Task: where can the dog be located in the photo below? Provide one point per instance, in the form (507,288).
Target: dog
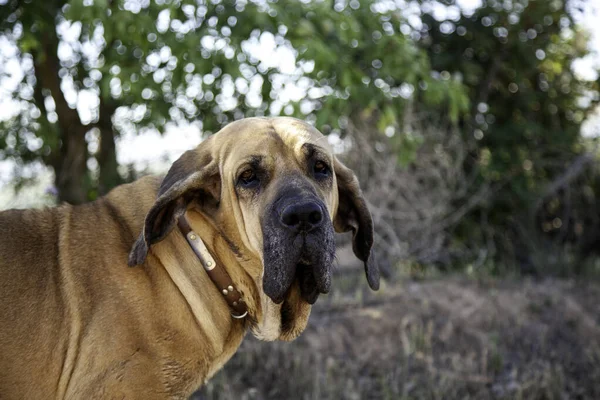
(147,292)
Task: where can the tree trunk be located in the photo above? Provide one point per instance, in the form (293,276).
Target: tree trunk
(69,160)
(71,174)
(107,160)
(107,152)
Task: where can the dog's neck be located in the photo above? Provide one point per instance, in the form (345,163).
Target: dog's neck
(204,301)
(200,292)
(217,274)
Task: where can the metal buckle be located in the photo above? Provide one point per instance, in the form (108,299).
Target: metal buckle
(239,316)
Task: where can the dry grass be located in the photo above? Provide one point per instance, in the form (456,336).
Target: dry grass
(447,339)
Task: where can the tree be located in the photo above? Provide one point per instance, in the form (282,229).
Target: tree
(138,64)
(362,65)
(527,106)
(150,63)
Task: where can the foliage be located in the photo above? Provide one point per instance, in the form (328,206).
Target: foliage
(148,64)
(527,105)
(365,68)
(138,64)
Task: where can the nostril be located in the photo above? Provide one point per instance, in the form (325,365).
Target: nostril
(315,217)
(290,219)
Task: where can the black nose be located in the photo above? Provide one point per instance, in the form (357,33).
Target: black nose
(302,217)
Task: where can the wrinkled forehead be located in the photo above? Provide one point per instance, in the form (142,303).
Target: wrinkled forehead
(273,137)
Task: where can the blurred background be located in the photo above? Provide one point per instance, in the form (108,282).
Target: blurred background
(472,125)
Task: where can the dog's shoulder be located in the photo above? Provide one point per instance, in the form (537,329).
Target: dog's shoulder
(132,200)
(30,235)
(28,250)
(117,217)
(21,226)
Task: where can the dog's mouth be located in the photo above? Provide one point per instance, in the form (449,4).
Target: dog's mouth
(311,281)
(307,262)
(302,293)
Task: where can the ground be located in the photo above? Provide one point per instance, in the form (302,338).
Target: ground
(453,338)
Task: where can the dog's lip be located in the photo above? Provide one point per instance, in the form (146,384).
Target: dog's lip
(310,286)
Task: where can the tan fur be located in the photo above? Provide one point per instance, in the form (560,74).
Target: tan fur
(76,322)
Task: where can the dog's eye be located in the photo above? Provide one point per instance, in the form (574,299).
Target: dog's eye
(321,169)
(248,178)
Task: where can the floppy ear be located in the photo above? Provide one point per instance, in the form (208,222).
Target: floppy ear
(193,177)
(353,215)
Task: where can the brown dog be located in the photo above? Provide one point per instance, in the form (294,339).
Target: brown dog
(264,195)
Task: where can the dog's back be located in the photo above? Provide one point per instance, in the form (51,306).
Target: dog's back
(51,261)
(29,252)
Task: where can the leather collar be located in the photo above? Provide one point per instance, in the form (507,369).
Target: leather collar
(217,274)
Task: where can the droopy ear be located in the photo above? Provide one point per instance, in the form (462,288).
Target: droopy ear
(193,177)
(353,215)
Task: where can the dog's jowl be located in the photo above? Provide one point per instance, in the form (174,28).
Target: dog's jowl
(148,291)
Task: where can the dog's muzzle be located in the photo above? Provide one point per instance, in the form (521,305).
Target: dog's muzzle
(298,245)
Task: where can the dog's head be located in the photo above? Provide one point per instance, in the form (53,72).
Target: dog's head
(274,188)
